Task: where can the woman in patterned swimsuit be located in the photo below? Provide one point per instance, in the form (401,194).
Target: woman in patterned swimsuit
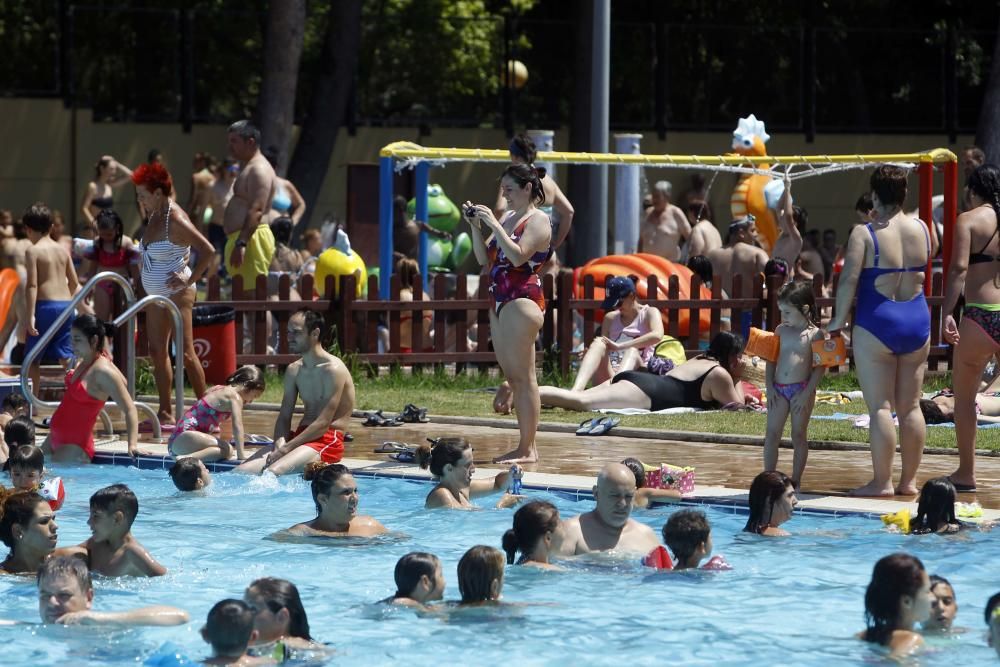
(977,339)
(193,436)
(515,249)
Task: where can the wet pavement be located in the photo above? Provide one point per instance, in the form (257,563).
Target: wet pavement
(729,465)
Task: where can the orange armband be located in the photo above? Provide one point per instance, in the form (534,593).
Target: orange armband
(763,344)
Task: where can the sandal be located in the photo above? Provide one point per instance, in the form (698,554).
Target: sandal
(408,456)
(392,447)
(411,414)
(257,440)
(376,419)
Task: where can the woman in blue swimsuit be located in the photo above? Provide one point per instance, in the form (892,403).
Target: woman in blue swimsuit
(884,264)
(974,270)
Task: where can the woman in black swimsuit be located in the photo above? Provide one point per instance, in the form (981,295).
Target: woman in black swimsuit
(108,174)
(707,381)
(974,271)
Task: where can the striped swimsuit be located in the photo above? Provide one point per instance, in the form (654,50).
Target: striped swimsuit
(163,258)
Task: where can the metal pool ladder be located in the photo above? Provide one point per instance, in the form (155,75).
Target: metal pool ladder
(128,317)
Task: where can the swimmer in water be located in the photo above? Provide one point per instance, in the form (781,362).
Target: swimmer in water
(336,496)
(450,461)
(190,474)
(898,597)
(66,594)
(689,536)
(229,631)
(535,531)
(772,501)
(419,580)
(112,550)
(480,576)
(936,508)
(944,607)
(609,526)
(280,619)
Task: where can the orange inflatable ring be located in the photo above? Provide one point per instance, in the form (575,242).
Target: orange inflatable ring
(643,265)
(8,286)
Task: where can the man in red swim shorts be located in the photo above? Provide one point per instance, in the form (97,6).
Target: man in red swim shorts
(327,391)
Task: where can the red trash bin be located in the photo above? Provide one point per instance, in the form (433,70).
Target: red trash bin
(214,329)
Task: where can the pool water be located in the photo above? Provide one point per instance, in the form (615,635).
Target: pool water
(796,600)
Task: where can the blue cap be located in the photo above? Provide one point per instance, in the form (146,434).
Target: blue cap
(616,290)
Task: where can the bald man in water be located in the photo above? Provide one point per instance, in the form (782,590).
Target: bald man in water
(609,526)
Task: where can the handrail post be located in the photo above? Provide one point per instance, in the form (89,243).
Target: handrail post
(175,313)
(47,337)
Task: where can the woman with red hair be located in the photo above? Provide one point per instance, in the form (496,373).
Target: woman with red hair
(166,250)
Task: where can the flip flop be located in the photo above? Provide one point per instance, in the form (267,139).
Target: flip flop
(392,447)
(411,414)
(587,424)
(962,488)
(408,456)
(604,425)
(257,440)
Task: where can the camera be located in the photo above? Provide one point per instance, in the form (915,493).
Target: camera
(470,211)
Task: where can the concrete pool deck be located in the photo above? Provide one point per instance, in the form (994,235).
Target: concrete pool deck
(569,463)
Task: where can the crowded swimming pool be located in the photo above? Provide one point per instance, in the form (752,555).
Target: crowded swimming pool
(801,595)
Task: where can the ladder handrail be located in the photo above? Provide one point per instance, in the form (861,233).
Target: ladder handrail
(175,312)
(126,286)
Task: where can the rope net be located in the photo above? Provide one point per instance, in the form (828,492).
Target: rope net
(407,155)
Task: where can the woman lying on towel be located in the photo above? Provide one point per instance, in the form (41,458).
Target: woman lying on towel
(708,381)
(940,409)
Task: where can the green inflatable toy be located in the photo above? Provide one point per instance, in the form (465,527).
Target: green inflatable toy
(443,215)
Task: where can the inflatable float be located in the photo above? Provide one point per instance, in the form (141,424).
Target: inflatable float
(643,265)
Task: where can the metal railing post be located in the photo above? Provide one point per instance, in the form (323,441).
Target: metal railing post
(47,337)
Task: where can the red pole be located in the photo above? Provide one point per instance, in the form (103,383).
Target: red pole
(926,171)
(950,213)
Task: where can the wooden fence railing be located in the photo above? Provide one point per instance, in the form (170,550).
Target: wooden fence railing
(456,314)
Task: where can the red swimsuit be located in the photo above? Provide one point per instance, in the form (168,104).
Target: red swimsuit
(74,419)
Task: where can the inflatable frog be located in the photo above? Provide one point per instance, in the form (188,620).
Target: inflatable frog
(443,215)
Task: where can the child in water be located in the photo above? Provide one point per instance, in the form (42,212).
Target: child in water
(480,576)
(792,381)
(192,437)
(944,607)
(936,508)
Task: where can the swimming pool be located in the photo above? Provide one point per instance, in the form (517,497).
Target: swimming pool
(788,601)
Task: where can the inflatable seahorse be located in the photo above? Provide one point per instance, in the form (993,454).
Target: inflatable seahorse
(756,194)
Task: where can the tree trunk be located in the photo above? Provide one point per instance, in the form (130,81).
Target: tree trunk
(328,105)
(286,21)
(988,129)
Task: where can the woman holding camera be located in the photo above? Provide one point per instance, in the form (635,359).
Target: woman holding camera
(514,249)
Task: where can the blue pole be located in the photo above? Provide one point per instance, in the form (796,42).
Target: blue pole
(421,181)
(384,225)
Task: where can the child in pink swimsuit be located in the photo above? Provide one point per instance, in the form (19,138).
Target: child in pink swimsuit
(192,434)
(792,380)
